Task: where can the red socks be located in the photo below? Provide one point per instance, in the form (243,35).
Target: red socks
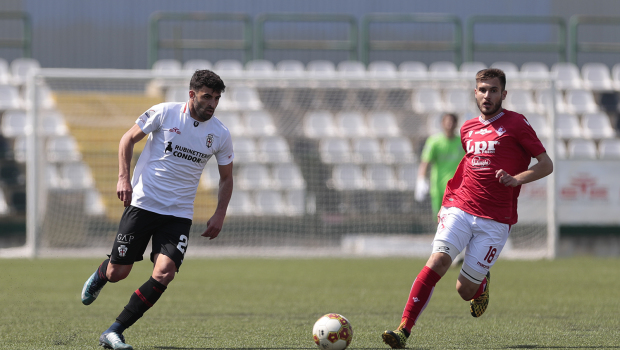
(481,289)
(419,296)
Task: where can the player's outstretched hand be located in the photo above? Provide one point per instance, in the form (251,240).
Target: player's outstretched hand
(506,179)
(124,192)
(214,226)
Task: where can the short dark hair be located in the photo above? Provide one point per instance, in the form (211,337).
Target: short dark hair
(491,73)
(206,78)
(455,119)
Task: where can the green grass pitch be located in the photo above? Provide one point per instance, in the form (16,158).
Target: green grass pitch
(250,303)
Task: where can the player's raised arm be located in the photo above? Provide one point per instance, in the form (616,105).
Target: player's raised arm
(214,225)
(125,153)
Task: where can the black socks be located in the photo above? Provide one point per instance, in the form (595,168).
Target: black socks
(141,300)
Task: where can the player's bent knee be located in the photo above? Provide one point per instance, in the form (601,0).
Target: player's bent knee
(117,273)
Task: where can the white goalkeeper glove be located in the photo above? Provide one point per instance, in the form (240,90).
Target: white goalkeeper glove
(421,189)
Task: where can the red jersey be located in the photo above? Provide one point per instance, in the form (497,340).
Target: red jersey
(506,141)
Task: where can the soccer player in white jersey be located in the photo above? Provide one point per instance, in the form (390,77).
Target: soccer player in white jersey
(159,200)
(480,202)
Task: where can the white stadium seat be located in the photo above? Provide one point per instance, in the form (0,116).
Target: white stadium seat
(407,175)
(62,149)
(197,64)
(350,69)
(367,150)
(348,177)
(539,124)
(382,69)
(469,69)
(19,149)
(581,149)
(398,150)
(21,68)
(5,74)
(14,124)
(382,124)
(597,126)
(534,70)
(427,101)
(290,68)
(287,176)
(567,126)
(254,177)
(413,69)
(445,69)
(76,176)
(335,150)
(510,69)
(269,202)
(615,75)
(177,94)
(295,202)
(459,101)
(521,101)
(274,149)
(596,77)
(381,178)
(246,99)
(93,203)
(167,67)
(240,204)
(259,123)
(609,149)
(228,67)
(321,68)
(53,124)
(53,179)
(245,150)
(543,101)
(351,124)
(4,207)
(580,101)
(210,178)
(9,98)
(233,121)
(261,67)
(319,124)
(567,75)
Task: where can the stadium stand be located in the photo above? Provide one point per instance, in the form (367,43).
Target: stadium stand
(195,64)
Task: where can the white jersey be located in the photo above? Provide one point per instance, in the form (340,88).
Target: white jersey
(166,176)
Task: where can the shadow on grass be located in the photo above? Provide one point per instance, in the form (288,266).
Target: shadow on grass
(558,347)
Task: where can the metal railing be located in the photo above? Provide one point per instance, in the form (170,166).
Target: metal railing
(262,44)
(25,42)
(368,45)
(559,46)
(178,43)
(598,47)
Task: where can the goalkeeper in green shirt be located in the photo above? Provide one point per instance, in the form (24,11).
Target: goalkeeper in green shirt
(443,151)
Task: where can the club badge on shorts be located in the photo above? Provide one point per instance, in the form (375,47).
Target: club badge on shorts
(209,140)
(122,250)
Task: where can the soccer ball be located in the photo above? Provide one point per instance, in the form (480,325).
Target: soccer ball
(332,332)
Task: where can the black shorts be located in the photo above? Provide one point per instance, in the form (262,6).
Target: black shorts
(170,236)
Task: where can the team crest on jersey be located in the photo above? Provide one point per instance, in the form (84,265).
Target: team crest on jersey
(122,250)
(483,131)
(209,140)
(175,130)
(500,131)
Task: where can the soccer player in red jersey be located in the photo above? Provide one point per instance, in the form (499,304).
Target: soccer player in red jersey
(480,203)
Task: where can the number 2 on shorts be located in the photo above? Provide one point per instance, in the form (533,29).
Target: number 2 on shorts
(490,254)
(183,244)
